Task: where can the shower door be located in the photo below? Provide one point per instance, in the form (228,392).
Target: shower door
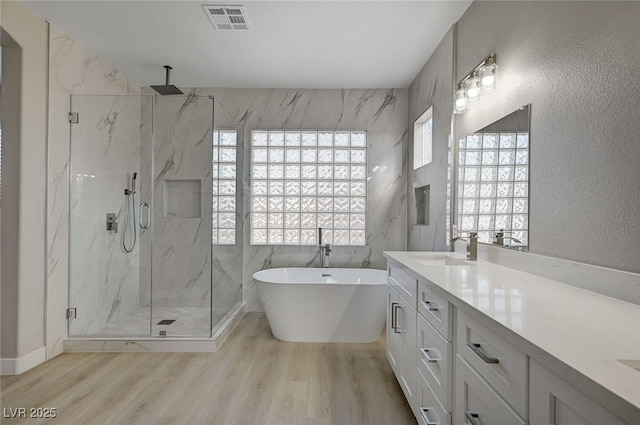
(140,249)
(109,274)
(181,217)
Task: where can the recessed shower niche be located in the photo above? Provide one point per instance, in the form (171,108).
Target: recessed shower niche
(422,205)
(181,198)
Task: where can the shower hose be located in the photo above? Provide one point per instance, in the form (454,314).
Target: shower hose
(129,218)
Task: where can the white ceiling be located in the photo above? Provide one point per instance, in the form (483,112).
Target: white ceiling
(292,44)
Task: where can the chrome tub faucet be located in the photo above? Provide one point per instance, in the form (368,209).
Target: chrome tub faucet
(325,250)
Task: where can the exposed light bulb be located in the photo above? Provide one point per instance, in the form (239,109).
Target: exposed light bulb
(472,87)
(489,77)
(488,80)
(461,102)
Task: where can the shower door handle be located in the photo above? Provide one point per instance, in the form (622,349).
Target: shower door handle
(146,225)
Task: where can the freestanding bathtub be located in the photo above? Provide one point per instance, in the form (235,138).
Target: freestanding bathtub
(323,305)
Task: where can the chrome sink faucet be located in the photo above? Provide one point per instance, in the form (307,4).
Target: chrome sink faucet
(500,237)
(325,250)
(472,245)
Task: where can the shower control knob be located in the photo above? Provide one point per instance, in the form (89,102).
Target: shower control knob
(112,224)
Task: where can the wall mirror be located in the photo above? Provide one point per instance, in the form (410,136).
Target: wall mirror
(492,182)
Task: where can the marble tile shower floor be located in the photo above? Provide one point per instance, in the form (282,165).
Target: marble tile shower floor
(188,322)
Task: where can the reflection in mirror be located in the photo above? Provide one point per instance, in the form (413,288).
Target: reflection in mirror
(493,182)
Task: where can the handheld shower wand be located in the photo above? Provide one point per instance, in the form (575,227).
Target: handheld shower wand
(130,215)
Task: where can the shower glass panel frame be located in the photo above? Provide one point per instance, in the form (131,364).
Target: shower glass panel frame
(164,286)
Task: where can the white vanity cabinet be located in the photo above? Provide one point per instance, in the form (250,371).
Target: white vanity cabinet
(555,402)
(401,329)
(434,361)
(429,409)
(498,362)
(458,363)
(434,354)
(434,307)
(394,336)
(477,403)
(408,375)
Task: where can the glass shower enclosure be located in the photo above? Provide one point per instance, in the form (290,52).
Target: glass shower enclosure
(146,254)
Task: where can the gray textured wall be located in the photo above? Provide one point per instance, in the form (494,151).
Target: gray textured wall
(576,63)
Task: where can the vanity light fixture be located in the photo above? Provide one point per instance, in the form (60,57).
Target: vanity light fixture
(483,78)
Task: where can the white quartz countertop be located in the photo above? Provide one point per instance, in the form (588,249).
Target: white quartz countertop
(586,331)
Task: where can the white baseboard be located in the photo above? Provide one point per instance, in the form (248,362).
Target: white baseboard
(22,364)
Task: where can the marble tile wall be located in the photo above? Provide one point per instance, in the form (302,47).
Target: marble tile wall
(182,220)
(226,261)
(73,69)
(383,114)
(105,151)
(432,87)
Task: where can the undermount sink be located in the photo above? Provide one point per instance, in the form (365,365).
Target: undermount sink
(633,364)
(441,260)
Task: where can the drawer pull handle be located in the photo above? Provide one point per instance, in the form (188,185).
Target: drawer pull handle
(395,316)
(475,347)
(471,417)
(429,307)
(424,412)
(427,356)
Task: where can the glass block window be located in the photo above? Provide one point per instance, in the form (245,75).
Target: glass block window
(302,180)
(493,185)
(223,220)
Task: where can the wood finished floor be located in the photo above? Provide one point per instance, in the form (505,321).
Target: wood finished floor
(253,379)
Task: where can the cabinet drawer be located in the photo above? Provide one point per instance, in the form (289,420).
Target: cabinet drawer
(429,409)
(477,403)
(404,283)
(554,401)
(435,309)
(499,362)
(434,361)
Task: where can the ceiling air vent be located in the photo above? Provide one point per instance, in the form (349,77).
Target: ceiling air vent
(227,18)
